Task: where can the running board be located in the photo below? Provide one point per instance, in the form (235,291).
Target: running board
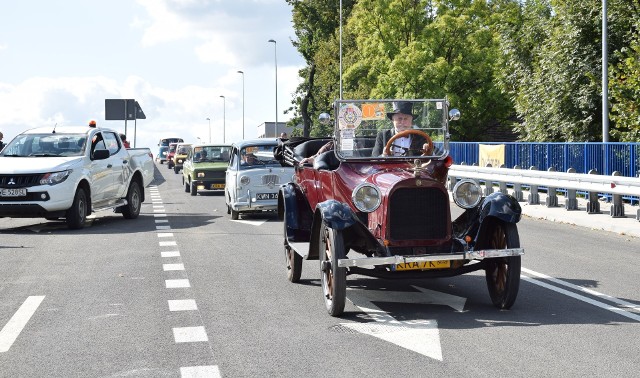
(111,205)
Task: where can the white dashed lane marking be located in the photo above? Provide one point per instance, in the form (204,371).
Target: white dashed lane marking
(200,372)
(170,254)
(168,267)
(167,243)
(178,283)
(18,321)
(190,334)
(182,305)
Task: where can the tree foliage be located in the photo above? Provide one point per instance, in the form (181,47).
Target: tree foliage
(534,65)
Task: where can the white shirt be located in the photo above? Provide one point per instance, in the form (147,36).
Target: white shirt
(401,142)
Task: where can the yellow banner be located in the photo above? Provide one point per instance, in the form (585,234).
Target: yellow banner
(491,154)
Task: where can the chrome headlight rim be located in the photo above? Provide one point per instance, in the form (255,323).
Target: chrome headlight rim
(359,204)
(457,196)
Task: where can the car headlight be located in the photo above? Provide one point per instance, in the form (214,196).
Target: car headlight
(200,174)
(366,197)
(467,194)
(245,180)
(54,178)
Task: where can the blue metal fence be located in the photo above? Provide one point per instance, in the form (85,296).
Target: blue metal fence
(606,158)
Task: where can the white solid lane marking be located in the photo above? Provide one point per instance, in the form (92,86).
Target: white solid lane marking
(178,283)
(168,244)
(200,372)
(190,334)
(12,329)
(165,234)
(182,305)
(168,267)
(583,289)
(579,297)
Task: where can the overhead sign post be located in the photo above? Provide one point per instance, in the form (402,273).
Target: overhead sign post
(124,109)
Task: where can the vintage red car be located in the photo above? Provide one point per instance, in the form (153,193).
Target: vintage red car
(377,204)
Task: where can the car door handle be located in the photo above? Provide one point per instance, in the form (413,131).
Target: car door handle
(125,161)
(109,166)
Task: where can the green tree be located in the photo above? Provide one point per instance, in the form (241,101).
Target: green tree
(625,91)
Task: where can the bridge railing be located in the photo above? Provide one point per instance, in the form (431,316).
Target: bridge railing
(571,184)
(605,158)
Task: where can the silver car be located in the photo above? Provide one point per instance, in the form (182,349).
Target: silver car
(254,177)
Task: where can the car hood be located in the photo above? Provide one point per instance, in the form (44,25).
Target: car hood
(22,165)
(211,165)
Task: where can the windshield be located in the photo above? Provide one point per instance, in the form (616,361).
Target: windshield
(211,154)
(257,156)
(391,129)
(38,145)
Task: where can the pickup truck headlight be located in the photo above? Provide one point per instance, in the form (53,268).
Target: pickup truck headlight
(366,197)
(467,194)
(54,178)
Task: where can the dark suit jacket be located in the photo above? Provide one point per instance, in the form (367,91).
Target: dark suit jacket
(383,137)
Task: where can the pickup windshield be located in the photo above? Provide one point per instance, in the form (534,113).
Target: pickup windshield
(46,145)
(391,129)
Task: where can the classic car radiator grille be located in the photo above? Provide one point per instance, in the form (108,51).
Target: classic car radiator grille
(214,174)
(418,213)
(19,181)
(270,179)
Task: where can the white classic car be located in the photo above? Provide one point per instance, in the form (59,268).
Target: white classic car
(254,177)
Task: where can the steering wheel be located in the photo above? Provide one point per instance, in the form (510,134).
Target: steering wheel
(402,134)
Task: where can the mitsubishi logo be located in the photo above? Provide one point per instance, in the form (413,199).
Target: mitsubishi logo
(11,182)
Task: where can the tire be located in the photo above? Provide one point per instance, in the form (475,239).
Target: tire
(334,278)
(187,187)
(76,216)
(134,201)
(176,170)
(293,260)
(235,214)
(503,274)
(194,190)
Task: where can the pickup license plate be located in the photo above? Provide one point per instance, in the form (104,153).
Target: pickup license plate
(439,264)
(13,192)
(266,196)
(217,186)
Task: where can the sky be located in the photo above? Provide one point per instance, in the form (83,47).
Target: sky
(60,60)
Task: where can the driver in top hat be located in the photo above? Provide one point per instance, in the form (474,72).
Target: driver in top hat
(402,118)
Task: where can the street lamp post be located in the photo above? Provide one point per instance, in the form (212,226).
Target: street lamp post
(275,55)
(224,118)
(241,72)
(209,119)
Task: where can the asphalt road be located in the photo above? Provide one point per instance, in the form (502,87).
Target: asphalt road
(183,290)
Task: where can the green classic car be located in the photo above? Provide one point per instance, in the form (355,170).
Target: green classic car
(204,168)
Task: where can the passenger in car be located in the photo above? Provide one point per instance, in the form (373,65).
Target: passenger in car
(326,147)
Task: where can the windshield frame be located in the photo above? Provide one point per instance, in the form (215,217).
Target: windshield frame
(358,123)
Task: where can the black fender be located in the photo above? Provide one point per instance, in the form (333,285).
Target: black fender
(295,211)
(336,215)
(496,206)
(501,206)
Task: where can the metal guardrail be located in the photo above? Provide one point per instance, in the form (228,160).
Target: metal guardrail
(593,184)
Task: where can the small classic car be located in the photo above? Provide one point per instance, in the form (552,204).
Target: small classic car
(171,154)
(377,204)
(204,167)
(254,177)
(182,150)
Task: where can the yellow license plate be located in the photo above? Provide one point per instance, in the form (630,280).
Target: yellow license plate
(217,186)
(439,264)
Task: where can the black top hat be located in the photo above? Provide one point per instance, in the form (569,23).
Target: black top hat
(401,107)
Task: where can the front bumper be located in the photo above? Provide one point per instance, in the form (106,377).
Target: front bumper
(471,255)
(249,202)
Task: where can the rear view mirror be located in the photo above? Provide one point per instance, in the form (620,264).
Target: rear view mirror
(454,115)
(324,118)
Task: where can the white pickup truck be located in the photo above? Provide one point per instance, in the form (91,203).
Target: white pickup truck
(71,172)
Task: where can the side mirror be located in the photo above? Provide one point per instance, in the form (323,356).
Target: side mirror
(101,154)
(454,115)
(324,118)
